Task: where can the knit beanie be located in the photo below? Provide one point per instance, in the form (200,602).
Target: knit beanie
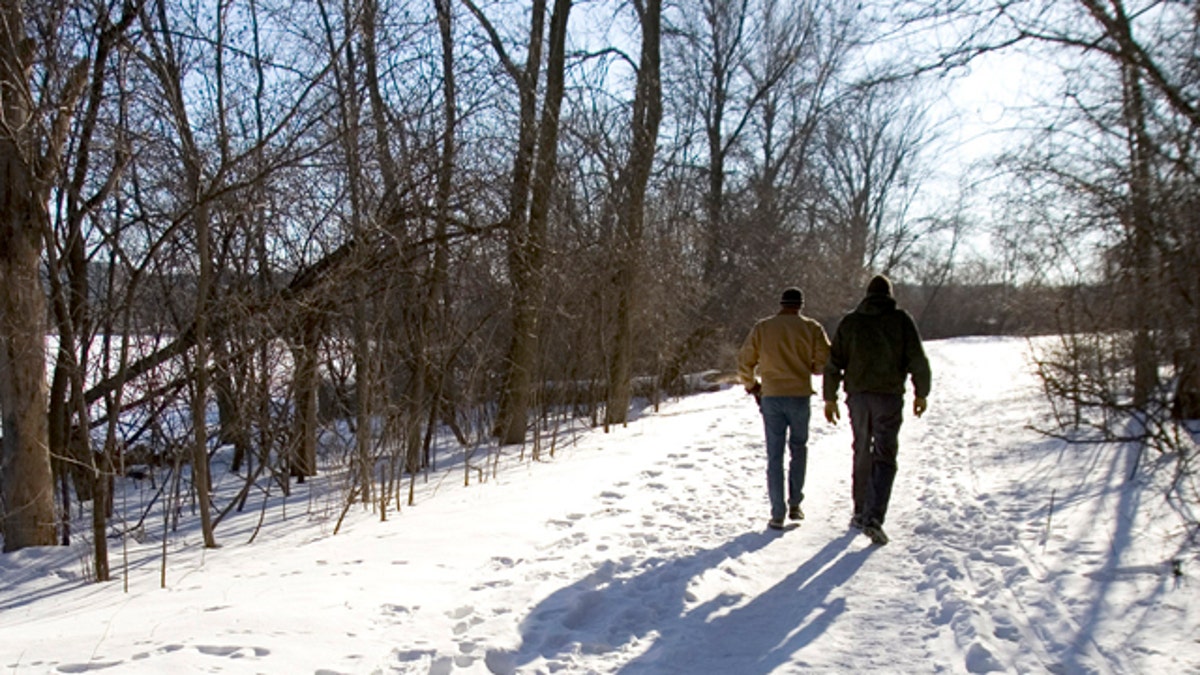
(792,297)
(880,285)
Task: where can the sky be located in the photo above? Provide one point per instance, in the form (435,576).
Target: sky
(645,550)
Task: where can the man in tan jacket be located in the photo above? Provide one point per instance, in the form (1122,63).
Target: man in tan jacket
(786,350)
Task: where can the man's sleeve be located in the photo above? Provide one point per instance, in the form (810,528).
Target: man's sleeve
(918,363)
(820,349)
(832,378)
(748,358)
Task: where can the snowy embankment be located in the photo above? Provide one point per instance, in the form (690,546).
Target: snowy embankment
(645,551)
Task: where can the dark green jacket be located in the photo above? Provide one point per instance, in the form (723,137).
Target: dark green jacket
(874,350)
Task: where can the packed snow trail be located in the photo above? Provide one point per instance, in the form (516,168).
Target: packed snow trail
(672,570)
(645,550)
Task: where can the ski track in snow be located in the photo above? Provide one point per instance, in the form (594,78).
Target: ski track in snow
(974,567)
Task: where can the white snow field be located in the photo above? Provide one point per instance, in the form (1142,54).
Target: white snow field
(645,550)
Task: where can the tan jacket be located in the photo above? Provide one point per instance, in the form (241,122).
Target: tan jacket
(787,351)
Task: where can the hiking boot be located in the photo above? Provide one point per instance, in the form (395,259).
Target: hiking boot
(856,521)
(795,513)
(875,534)
(775,523)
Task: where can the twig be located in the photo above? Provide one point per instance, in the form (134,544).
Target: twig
(1049,516)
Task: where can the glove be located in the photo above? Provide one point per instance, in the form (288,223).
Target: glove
(832,414)
(920,405)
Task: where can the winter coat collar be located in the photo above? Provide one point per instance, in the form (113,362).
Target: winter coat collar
(876,303)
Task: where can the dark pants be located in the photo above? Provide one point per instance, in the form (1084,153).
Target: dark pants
(875,420)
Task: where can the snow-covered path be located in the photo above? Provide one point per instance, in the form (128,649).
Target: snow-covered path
(645,551)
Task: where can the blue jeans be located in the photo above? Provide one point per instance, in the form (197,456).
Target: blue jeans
(782,414)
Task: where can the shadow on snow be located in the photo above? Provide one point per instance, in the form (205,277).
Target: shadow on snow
(765,633)
(621,603)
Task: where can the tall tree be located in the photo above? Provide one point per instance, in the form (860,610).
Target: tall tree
(356,19)
(631,211)
(871,148)
(1137,101)
(530,198)
(437,310)
(809,43)
(31,146)
(170,72)
(730,56)
(68,275)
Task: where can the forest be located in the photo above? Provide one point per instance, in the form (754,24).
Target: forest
(232,224)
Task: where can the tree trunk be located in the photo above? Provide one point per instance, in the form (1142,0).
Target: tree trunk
(1141,224)
(26,481)
(304,383)
(514,394)
(647,113)
(527,241)
(351,109)
(437,302)
(1186,405)
(196,199)
(716,251)
(102,499)
(200,469)
(28,484)
(230,375)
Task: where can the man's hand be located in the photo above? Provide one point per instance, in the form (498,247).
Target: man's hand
(920,405)
(755,390)
(832,414)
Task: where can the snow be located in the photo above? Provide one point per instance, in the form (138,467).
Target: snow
(644,550)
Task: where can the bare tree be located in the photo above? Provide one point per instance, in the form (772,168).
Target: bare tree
(33,130)
(170,73)
(871,145)
(644,121)
(785,222)
(1107,167)
(530,197)
(1143,60)
(751,80)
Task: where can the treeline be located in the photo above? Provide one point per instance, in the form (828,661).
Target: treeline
(946,311)
(957,310)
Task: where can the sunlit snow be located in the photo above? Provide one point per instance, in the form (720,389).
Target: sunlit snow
(645,550)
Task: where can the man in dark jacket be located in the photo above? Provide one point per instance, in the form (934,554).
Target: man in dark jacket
(875,349)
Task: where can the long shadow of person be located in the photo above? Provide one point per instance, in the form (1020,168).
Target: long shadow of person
(623,602)
(766,632)
(619,603)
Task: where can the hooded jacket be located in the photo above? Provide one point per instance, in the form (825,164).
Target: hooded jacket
(787,349)
(875,348)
